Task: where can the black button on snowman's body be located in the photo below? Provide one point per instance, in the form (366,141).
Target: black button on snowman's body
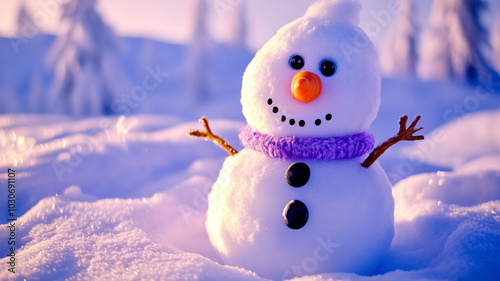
(297,174)
(295,213)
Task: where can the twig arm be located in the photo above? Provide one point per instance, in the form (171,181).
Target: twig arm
(208,135)
(404,134)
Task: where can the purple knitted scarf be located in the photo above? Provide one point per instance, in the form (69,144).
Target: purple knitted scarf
(290,147)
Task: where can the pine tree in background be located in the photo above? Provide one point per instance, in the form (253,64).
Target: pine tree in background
(88,75)
(452,44)
(237,24)
(398,55)
(26,28)
(495,42)
(198,55)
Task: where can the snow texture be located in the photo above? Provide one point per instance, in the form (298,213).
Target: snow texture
(337,10)
(447,223)
(107,240)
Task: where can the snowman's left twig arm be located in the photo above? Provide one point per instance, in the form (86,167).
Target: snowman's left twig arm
(404,134)
(207,134)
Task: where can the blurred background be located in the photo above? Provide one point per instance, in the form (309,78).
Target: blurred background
(91,57)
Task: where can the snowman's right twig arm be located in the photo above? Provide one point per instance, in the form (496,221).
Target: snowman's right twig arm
(404,134)
(207,134)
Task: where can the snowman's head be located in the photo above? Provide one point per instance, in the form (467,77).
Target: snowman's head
(318,76)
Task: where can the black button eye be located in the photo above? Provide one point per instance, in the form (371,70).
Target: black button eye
(296,62)
(328,67)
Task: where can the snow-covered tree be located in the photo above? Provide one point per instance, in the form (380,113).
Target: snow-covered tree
(26,28)
(88,75)
(237,24)
(198,55)
(398,55)
(453,42)
(495,42)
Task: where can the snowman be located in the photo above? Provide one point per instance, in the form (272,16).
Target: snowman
(305,195)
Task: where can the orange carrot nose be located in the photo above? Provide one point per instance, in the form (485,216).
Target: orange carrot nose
(306,86)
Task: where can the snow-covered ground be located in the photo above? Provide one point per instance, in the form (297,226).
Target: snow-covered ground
(125,197)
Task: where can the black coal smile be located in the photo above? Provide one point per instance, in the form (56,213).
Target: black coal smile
(292,121)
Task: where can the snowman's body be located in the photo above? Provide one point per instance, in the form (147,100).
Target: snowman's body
(350,224)
(316,78)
